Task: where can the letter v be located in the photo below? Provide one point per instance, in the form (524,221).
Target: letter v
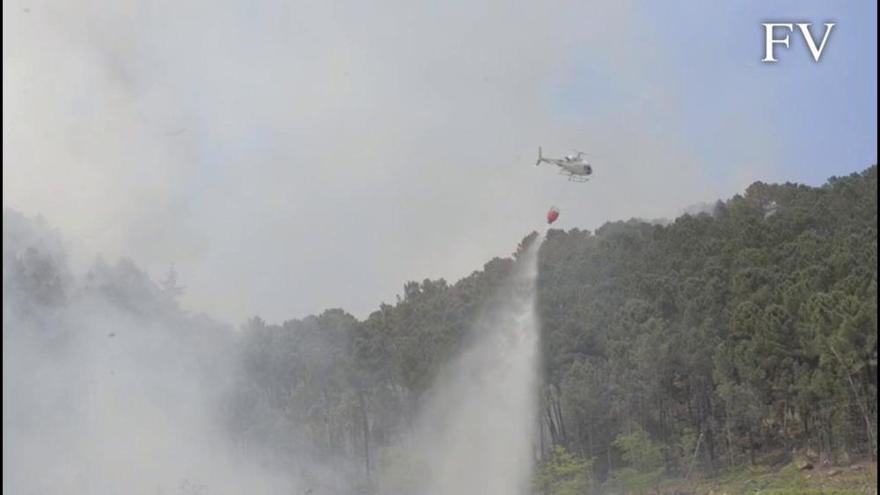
(805,30)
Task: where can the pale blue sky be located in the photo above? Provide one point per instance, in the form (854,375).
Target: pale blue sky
(822,117)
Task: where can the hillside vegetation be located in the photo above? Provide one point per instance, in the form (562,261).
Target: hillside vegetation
(669,351)
(688,351)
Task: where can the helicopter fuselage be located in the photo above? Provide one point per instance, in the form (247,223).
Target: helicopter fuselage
(572,167)
(576,167)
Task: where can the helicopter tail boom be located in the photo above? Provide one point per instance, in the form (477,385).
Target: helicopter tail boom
(540,158)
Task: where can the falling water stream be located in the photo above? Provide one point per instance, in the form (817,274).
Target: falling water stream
(478,427)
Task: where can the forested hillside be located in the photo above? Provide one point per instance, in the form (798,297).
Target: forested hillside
(744,335)
(668,350)
(747,330)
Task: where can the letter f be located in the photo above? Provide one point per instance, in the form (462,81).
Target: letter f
(770,40)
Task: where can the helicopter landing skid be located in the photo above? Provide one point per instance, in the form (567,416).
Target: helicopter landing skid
(576,178)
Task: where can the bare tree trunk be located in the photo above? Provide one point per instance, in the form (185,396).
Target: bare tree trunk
(751,446)
(365,425)
(559,419)
(590,438)
(858,398)
(542,437)
(554,435)
(706,425)
(694,457)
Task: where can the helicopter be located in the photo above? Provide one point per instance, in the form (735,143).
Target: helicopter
(576,166)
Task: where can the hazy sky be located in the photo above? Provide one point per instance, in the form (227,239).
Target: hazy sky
(293,156)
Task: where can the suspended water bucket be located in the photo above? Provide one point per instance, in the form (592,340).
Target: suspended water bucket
(552,214)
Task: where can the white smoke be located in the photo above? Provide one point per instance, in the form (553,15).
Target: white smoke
(110,388)
(107,387)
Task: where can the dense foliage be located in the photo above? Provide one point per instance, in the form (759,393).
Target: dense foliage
(744,330)
(668,350)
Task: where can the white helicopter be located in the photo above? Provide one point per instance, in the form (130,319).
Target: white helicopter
(576,166)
